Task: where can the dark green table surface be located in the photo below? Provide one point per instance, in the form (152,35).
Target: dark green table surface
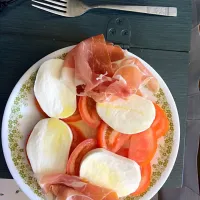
(27,34)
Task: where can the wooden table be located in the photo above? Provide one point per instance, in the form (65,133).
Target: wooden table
(27,34)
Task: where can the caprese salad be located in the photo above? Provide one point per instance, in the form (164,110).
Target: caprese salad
(100,125)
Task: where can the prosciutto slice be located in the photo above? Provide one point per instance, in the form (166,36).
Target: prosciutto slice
(61,192)
(138,78)
(66,187)
(96,65)
(109,91)
(146,77)
(92,60)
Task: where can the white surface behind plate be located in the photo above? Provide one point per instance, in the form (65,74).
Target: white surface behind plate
(9,190)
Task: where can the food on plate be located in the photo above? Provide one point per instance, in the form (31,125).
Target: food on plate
(110,139)
(123,152)
(131,75)
(115,52)
(160,125)
(102,124)
(143,147)
(142,74)
(55,90)
(73,164)
(92,61)
(94,192)
(132,115)
(145,180)
(48,147)
(78,137)
(86,106)
(106,169)
(40,109)
(26,142)
(73,118)
(65,193)
(86,130)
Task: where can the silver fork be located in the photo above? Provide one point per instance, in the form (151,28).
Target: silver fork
(73,8)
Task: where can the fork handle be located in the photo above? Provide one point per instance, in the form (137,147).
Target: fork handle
(164,11)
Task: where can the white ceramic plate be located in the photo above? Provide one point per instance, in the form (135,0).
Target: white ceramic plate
(21,115)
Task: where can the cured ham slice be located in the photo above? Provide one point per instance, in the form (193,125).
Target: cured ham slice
(115,52)
(92,60)
(65,193)
(103,71)
(59,185)
(138,77)
(108,91)
(132,76)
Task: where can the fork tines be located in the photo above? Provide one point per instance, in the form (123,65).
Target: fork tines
(53,6)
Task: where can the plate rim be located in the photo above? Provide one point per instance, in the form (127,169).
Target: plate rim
(4,134)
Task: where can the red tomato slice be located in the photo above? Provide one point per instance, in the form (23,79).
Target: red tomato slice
(145,181)
(123,152)
(87,109)
(40,109)
(121,141)
(161,123)
(74,118)
(110,139)
(87,131)
(78,137)
(73,164)
(143,147)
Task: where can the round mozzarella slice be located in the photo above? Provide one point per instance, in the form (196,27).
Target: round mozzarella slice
(109,170)
(55,89)
(48,147)
(129,116)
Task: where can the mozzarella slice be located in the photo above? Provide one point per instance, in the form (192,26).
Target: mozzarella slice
(55,89)
(109,170)
(48,147)
(129,116)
